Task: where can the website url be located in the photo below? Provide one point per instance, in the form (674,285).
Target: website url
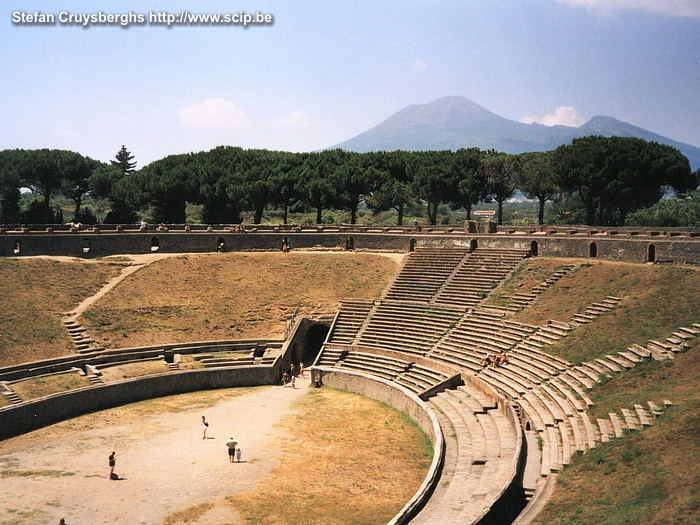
(157,18)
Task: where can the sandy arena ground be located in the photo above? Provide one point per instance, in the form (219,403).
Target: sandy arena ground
(165,463)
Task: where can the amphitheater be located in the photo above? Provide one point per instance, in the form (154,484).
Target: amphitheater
(500,435)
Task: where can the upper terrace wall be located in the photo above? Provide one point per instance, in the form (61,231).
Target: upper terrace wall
(620,244)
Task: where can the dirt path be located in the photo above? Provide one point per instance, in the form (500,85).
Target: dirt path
(139,261)
(62,471)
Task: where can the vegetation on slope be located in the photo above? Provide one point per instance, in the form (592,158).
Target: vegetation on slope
(649,476)
(655,300)
(35,294)
(231,296)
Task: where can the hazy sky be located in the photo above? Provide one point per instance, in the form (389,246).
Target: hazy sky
(323,72)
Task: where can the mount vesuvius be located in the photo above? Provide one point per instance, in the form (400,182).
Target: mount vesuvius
(457,122)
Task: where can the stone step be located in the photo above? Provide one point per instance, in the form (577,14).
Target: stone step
(95,380)
(639,351)
(620,361)
(643,415)
(631,357)
(608,365)
(616,424)
(630,420)
(656,410)
(604,429)
(682,335)
(690,331)
(12,397)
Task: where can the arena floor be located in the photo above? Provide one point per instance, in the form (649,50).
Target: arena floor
(62,471)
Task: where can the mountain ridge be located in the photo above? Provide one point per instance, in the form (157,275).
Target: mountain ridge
(455,122)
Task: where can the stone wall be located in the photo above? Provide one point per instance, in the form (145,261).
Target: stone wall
(630,246)
(403,400)
(31,415)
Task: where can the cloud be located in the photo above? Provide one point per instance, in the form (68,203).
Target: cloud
(419,64)
(214,113)
(562,116)
(679,8)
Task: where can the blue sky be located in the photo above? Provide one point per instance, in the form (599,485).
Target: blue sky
(326,71)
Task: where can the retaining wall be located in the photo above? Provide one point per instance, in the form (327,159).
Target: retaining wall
(31,415)
(408,403)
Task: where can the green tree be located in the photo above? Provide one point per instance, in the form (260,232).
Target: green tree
(680,211)
(75,173)
(41,173)
(538,178)
(498,170)
(10,182)
(285,180)
(433,179)
(471,179)
(614,176)
(392,184)
(123,161)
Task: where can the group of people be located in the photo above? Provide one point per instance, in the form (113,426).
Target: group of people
(289,376)
(234,451)
(495,360)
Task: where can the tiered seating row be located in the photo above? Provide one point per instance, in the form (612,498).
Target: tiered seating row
(520,301)
(478,464)
(405,327)
(416,377)
(479,273)
(349,320)
(424,273)
(483,334)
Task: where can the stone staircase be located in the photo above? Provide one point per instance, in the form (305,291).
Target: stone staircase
(520,301)
(84,344)
(594,310)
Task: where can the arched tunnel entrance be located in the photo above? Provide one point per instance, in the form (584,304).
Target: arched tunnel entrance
(315,337)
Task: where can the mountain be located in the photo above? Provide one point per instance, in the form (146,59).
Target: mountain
(457,122)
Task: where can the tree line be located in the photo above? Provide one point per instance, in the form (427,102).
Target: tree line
(594,180)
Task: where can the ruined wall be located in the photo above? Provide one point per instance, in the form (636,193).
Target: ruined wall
(627,246)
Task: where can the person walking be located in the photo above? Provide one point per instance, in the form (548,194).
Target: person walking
(205,426)
(231,444)
(112,464)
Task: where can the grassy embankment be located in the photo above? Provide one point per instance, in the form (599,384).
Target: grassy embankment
(650,476)
(35,294)
(231,296)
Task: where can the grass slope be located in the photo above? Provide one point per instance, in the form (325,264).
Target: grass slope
(656,300)
(651,476)
(230,296)
(35,294)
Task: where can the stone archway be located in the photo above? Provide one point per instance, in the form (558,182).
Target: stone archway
(593,250)
(315,336)
(534,248)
